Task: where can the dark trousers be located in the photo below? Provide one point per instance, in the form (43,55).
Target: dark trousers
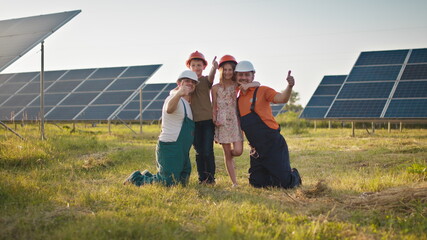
(203,144)
(274,169)
(270,165)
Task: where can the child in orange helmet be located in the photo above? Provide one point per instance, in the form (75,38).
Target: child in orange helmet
(202,111)
(225,118)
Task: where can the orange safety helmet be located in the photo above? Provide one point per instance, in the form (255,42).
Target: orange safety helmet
(227,58)
(197,55)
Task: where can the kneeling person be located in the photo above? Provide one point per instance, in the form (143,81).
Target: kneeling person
(269,161)
(176,137)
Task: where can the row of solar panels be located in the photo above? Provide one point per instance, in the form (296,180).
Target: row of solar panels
(86,94)
(80,94)
(381,85)
(83,94)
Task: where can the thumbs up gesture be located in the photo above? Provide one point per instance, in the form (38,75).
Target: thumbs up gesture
(290,79)
(214,63)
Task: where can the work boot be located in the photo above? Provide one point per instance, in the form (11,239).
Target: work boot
(298,177)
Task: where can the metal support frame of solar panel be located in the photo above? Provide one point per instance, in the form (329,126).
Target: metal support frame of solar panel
(153,97)
(384,85)
(80,94)
(323,97)
(20,35)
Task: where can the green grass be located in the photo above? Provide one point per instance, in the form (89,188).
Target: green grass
(70,187)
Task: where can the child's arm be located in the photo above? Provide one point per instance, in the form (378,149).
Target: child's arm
(212,73)
(245,86)
(214,103)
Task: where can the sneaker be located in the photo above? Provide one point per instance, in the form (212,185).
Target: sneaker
(129,179)
(147,173)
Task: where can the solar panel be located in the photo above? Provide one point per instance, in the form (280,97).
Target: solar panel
(5,77)
(314,112)
(97,112)
(277,108)
(382,57)
(23,77)
(94,85)
(79,94)
(78,74)
(321,101)
(327,90)
(418,56)
(64,113)
(333,79)
(138,71)
(12,87)
(50,76)
(376,73)
(366,90)
(407,108)
(413,72)
(31,113)
(19,100)
(384,84)
(125,84)
(411,89)
(357,109)
(65,87)
(18,36)
(79,98)
(323,97)
(104,73)
(33,87)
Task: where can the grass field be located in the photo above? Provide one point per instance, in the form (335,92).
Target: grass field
(70,187)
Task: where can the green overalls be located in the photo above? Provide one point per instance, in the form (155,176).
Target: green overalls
(173,159)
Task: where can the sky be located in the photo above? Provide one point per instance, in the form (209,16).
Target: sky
(312,38)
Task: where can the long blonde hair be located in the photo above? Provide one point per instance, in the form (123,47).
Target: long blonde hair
(221,70)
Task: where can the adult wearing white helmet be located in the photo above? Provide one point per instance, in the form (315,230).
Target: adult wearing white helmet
(175,139)
(269,160)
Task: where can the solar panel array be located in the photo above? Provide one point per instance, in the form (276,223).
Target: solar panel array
(381,85)
(153,97)
(18,36)
(81,94)
(323,97)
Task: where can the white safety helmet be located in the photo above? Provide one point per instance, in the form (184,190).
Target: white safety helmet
(244,66)
(188,74)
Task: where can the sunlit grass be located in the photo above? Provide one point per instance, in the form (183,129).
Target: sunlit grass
(70,187)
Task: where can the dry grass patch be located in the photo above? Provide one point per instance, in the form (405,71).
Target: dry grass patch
(397,198)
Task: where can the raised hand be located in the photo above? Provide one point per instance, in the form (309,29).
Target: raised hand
(184,90)
(290,79)
(215,63)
